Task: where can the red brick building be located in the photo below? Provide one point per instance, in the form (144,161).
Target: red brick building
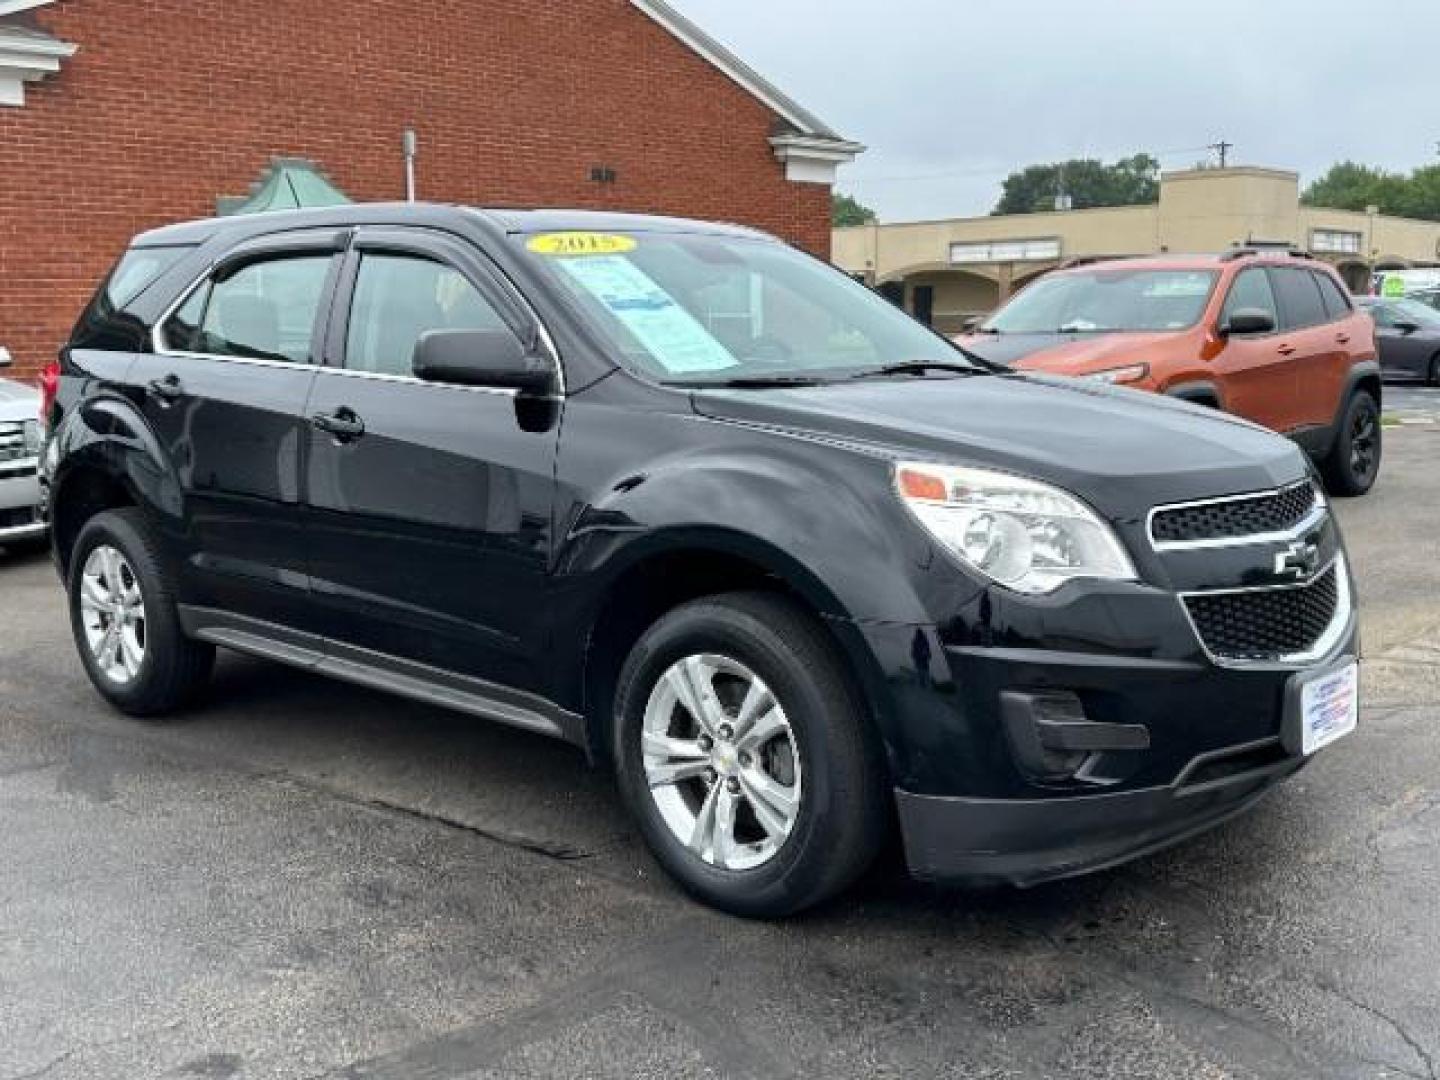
(115,117)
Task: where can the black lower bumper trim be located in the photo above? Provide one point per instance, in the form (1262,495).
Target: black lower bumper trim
(982,842)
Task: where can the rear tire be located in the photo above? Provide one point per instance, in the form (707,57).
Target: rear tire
(794,818)
(1353,463)
(124,619)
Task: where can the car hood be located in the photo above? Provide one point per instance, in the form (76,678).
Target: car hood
(1066,354)
(18,401)
(1122,450)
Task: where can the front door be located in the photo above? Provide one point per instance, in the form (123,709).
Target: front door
(430,520)
(1256,370)
(225,395)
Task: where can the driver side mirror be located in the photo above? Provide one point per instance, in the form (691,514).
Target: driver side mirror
(1248,321)
(488,358)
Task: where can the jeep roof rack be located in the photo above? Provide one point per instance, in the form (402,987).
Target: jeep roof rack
(1252,250)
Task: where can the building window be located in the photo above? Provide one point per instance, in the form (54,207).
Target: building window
(998,251)
(1335,242)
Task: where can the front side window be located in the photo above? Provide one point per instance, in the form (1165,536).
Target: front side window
(400,297)
(264,311)
(1299,296)
(1251,291)
(1104,299)
(688,309)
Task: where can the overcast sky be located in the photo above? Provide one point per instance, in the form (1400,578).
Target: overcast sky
(950,95)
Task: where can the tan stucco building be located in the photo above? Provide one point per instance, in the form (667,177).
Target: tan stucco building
(948,270)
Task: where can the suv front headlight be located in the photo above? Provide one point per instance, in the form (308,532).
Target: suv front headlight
(1020,533)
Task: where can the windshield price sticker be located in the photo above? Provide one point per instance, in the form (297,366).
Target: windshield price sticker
(581,243)
(670,333)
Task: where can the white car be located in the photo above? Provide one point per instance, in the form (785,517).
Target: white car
(19,449)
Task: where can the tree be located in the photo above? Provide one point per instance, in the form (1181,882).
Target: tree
(1351,186)
(1131,181)
(846,211)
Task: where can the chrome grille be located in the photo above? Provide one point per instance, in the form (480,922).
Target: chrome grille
(12,442)
(1235,517)
(1267,624)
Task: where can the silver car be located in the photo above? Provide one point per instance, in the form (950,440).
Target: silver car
(19,446)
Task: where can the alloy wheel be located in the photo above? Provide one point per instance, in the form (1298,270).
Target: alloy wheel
(1364,431)
(112,613)
(721,761)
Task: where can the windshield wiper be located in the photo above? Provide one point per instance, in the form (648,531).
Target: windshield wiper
(1087,330)
(748,382)
(920,367)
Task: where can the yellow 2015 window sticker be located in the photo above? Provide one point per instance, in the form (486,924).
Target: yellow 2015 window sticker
(581,243)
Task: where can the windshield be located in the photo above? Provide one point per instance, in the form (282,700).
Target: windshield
(700,309)
(1101,299)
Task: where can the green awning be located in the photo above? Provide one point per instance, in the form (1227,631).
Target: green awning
(287,184)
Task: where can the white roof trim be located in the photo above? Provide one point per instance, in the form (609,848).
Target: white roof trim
(27,56)
(740,72)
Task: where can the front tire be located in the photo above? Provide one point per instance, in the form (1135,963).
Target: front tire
(124,619)
(744,756)
(1353,463)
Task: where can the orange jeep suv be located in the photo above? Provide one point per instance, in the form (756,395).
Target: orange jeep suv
(1267,335)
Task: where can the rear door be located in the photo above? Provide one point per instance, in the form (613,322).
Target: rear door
(430,523)
(1320,359)
(1256,375)
(224,392)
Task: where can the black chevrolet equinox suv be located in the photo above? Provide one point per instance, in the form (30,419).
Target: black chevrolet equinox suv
(804,574)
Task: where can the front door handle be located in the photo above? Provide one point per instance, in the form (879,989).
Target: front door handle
(1286,350)
(343,424)
(167,389)
(1343,339)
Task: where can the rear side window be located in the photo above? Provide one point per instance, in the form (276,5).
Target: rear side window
(137,270)
(1337,304)
(400,297)
(1251,290)
(1299,296)
(264,311)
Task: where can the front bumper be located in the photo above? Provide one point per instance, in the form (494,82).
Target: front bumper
(20,517)
(1197,743)
(980,842)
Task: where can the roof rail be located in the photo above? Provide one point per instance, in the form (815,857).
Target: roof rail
(1087,260)
(1254,252)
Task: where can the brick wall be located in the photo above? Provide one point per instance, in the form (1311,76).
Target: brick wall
(171,103)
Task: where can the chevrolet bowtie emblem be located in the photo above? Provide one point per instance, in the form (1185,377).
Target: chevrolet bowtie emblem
(1299,560)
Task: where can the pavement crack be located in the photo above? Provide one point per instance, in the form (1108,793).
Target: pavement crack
(1389,1021)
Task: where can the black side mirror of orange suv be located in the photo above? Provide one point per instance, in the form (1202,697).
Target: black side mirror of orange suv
(492,358)
(1248,321)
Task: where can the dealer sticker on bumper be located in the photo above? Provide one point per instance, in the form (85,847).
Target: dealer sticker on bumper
(1329,707)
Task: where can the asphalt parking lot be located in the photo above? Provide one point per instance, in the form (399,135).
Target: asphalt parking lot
(304,879)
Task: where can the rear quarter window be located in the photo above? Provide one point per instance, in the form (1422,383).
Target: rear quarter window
(103,324)
(1337,304)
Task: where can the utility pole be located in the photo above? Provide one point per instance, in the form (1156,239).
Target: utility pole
(1222,148)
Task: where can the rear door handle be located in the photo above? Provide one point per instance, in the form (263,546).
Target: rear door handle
(1343,339)
(167,389)
(343,424)
(1286,350)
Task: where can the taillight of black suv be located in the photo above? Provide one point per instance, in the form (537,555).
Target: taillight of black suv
(793,566)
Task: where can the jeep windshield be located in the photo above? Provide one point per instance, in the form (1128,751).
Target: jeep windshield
(1106,300)
(710,310)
